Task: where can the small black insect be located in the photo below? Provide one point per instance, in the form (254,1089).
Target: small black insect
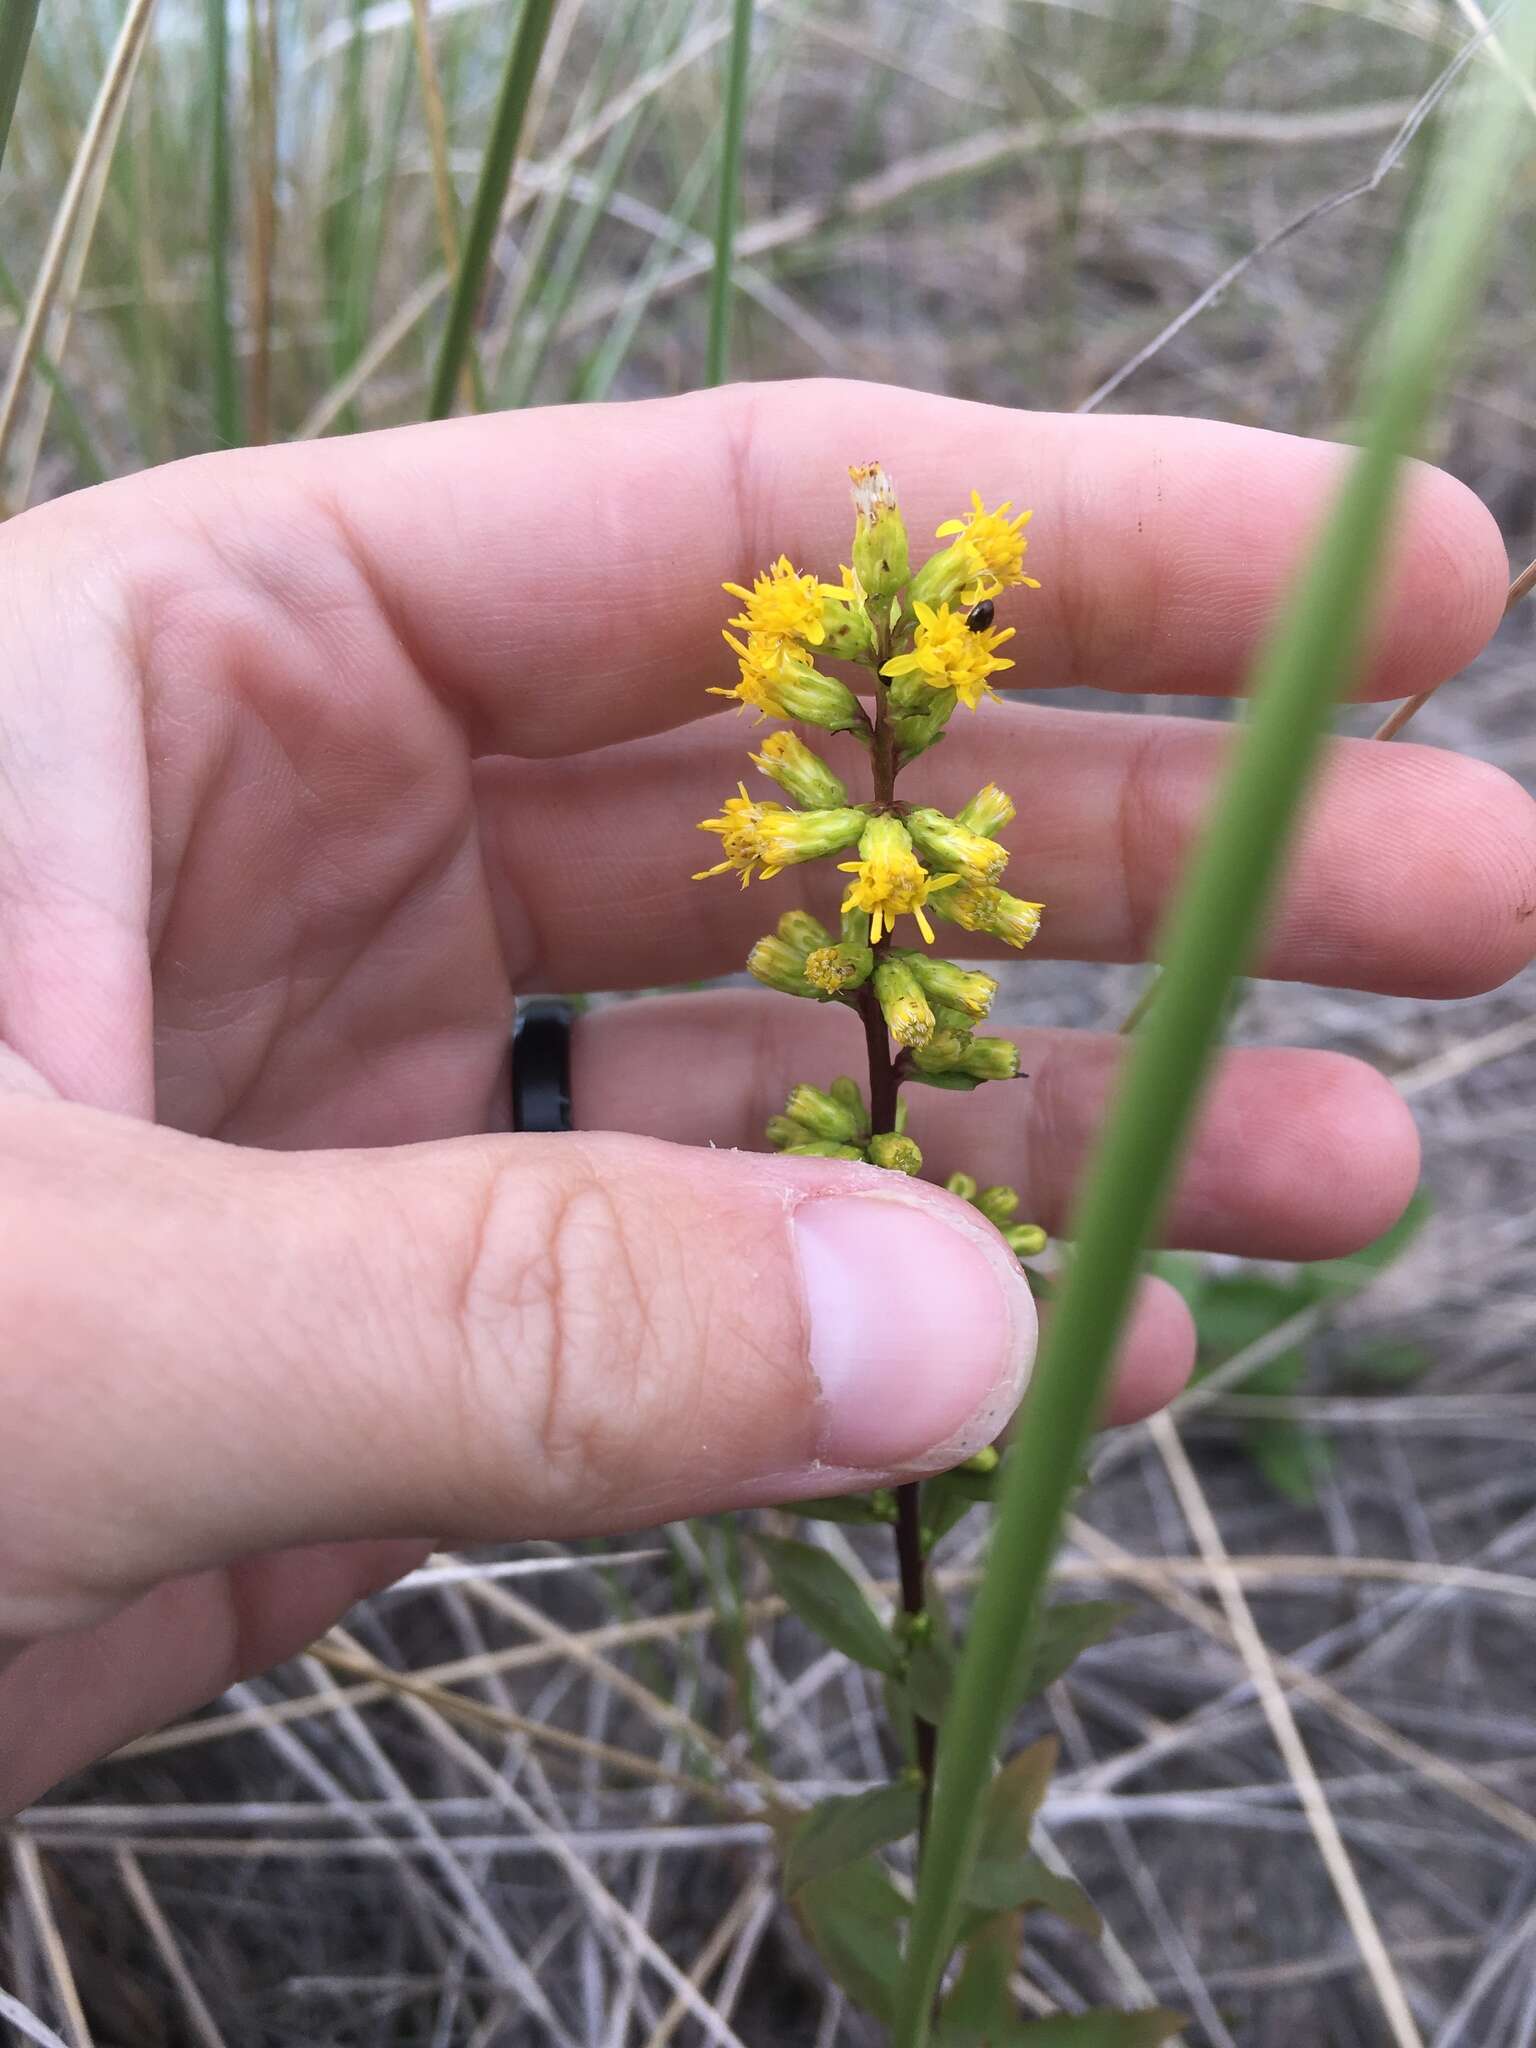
(979,617)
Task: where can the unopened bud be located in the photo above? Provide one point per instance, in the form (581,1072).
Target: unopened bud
(952,987)
(847,632)
(801,774)
(954,846)
(783,1131)
(894,1152)
(880,559)
(991,910)
(988,811)
(906,1009)
(822,1148)
(984,1461)
(777,965)
(963,1185)
(799,929)
(1025,1240)
(999,1205)
(822,1115)
(990,1059)
(848,1092)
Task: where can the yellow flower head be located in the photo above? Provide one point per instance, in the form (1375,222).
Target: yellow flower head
(948,655)
(889,880)
(781,603)
(994,546)
(753,833)
(740,826)
(776,681)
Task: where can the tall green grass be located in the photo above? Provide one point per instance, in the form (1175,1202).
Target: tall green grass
(523,54)
(1210,939)
(18,18)
(721,291)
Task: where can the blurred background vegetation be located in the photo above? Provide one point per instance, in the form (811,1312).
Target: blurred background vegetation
(1172,206)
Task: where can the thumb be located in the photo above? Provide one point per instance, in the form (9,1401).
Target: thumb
(207,1351)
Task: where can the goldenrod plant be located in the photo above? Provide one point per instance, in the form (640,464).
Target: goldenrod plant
(928,638)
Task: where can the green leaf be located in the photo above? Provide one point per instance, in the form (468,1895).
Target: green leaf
(1145,2029)
(1291,1457)
(853,1919)
(1064,1632)
(980,2008)
(930,1673)
(839,1831)
(999,1884)
(816,1587)
(1372,1366)
(1238,1309)
(862,1508)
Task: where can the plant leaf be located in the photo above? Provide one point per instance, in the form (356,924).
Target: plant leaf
(853,1918)
(930,1673)
(1145,2029)
(839,1831)
(816,1587)
(980,2008)
(870,1508)
(999,1884)
(1065,1631)
(1291,1457)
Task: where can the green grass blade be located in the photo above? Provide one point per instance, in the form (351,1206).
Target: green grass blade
(17,21)
(495,175)
(720,293)
(221,330)
(1310,659)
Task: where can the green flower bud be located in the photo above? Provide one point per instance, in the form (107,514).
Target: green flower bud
(777,965)
(990,1059)
(958,989)
(822,1115)
(943,1051)
(963,1185)
(986,1460)
(848,1092)
(832,969)
(789,762)
(822,1148)
(942,577)
(846,629)
(778,680)
(880,559)
(952,845)
(948,1077)
(1026,1240)
(917,730)
(783,1131)
(998,1205)
(891,1150)
(990,910)
(799,929)
(988,811)
(905,1008)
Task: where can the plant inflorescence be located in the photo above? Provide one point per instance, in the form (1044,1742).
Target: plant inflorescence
(929,639)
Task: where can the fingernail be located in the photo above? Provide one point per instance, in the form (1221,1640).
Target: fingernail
(922,1329)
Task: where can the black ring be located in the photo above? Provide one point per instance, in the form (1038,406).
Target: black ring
(541,1066)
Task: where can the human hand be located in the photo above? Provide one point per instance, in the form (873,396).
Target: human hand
(310,756)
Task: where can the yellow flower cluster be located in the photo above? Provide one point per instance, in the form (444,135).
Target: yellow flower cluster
(927,639)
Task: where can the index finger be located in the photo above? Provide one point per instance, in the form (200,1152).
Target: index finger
(557,574)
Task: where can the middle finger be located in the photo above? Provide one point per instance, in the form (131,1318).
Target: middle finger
(1415,872)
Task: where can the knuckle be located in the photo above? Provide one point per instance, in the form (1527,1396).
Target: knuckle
(572,1328)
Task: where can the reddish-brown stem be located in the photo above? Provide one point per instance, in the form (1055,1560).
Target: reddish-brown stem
(884,1100)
